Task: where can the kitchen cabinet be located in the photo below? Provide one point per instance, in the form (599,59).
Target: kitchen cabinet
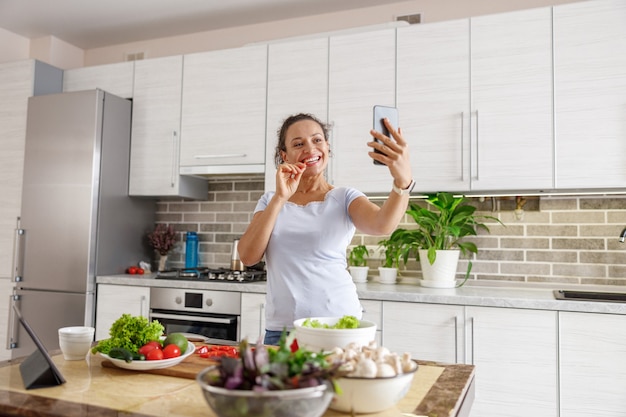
(590,94)
(223,111)
(373,311)
(116,79)
(252,320)
(514,350)
(428,331)
(476,96)
(297,82)
(592,364)
(155,145)
(362,73)
(114,300)
(515,354)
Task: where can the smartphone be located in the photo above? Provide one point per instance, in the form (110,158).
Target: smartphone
(381,112)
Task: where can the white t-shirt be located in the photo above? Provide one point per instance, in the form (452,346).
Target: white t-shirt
(306,265)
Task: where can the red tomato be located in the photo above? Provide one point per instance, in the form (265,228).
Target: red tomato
(217,352)
(154,355)
(294,345)
(149,346)
(202,349)
(171,351)
(132,270)
(140,271)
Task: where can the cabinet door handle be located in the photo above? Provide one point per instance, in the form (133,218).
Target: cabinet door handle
(142,306)
(477,148)
(174,158)
(456,339)
(261,315)
(226,155)
(462,137)
(471,323)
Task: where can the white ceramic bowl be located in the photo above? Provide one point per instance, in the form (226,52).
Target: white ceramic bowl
(301,402)
(371,395)
(75,342)
(317,339)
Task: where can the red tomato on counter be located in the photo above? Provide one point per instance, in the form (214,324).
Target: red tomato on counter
(132,270)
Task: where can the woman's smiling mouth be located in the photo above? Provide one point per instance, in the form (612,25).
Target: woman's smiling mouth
(312,160)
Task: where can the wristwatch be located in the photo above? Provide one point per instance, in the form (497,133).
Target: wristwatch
(405,191)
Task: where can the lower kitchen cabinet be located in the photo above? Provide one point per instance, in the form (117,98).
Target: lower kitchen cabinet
(427,331)
(373,311)
(252,320)
(592,358)
(114,300)
(514,351)
(515,354)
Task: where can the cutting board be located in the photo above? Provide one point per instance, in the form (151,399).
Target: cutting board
(188,368)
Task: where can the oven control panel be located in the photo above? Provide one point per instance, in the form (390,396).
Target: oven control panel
(192,300)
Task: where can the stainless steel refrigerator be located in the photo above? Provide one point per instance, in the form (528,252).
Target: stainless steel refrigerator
(77,220)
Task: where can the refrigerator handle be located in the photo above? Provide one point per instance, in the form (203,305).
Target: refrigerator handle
(12,342)
(18,254)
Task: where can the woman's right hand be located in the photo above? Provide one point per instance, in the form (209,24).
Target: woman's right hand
(288,177)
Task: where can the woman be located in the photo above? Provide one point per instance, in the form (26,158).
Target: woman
(304,228)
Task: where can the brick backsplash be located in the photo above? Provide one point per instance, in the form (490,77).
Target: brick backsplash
(559,239)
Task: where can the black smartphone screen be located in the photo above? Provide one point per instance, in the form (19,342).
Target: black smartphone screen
(381,112)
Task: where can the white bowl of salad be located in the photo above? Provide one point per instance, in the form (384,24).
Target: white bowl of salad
(327,333)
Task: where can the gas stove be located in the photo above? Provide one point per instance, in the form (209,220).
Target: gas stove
(212,275)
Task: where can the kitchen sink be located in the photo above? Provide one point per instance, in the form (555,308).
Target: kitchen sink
(615,297)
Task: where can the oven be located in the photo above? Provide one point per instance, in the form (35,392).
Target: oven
(213,314)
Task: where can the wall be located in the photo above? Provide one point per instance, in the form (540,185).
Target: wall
(560,239)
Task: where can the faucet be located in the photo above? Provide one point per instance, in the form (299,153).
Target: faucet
(622,237)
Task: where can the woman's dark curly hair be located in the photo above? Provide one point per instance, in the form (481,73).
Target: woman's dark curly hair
(282,132)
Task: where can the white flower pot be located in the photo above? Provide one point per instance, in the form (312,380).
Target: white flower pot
(387,275)
(359,273)
(442,273)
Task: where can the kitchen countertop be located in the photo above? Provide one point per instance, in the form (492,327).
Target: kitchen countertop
(98,391)
(529,296)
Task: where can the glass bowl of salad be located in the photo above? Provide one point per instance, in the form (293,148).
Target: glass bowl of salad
(286,380)
(327,333)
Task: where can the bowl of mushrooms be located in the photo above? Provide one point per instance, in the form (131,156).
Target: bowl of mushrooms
(375,378)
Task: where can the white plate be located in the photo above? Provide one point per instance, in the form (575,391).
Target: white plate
(147,365)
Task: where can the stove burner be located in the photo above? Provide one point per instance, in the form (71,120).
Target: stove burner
(213,275)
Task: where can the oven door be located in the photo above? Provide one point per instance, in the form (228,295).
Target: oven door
(214,326)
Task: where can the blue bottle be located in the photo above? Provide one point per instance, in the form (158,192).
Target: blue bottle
(191,250)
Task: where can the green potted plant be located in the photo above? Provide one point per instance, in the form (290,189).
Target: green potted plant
(392,250)
(357,261)
(438,239)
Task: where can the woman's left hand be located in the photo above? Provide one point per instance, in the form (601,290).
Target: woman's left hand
(395,154)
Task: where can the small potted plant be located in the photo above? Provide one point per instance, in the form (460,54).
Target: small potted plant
(357,261)
(438,239)
(162,239)
(392,249)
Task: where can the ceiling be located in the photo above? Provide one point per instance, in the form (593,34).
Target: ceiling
(91,24)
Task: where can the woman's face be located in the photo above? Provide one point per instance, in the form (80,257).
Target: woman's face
(305,142)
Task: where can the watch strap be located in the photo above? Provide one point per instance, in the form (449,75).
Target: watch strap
(405,191)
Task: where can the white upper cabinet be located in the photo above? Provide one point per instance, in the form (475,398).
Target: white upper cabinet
(297,82)
(475,101)
(116,79)
(155,146)
(511,101)
(362,74)
(223,111)
(433,102)
(590,94)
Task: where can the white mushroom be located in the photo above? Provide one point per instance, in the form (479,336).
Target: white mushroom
(365,368)
(385,370)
